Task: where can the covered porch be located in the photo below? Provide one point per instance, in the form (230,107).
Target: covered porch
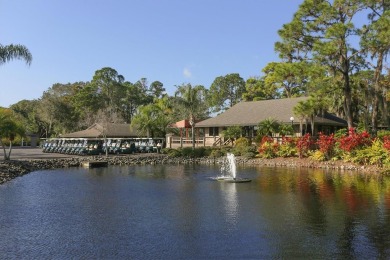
(183,138)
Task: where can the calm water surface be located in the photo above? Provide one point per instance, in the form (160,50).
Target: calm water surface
(179,212)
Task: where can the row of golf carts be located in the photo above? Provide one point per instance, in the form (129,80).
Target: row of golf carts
(85,146)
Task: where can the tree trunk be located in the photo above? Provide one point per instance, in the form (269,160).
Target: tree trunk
(9,151)
(385,117)
(377,92)
(374,115)
(193,136)
(5,153)
(312,124)
(300,127)
(348,99)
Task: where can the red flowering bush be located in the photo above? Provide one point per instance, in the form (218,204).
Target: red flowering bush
(354,140)
(268,148)
(266,139)
(288,140)
(386,143)
(304,144)
(326,144)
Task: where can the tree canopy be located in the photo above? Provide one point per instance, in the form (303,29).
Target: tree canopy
(14,51)
(191,104)
(226,91)
(323,53)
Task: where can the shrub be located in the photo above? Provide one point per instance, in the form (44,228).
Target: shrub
(268,126)
(382,134)
(199,152)
(186,151)
(241,146)
(340,133)
(252,149)
(354,140)
(225,150)
(249,155)
(171,152)
(386,143)
(207,151)
(189,152)
(242,141)
(288,147)
(248,151)
(326,144)
(337,153)
(318,156)
(216,153)
(258,138)
(268,148)
(286,129)
(304,144)
(375,154)
(232,132)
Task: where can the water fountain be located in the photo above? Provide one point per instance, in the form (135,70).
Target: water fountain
(229,171)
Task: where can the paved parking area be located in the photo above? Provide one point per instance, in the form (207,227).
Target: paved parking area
(26,153)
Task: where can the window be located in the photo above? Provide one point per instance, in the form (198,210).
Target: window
(213,131)
(201,132)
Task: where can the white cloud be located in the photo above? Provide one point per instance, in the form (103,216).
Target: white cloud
(187,73)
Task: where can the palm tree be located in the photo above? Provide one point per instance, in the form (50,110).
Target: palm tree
(9,128)
(154,119)
(192,104)
(14,51)
(303,112)
(268,126)
(286,129)
(232,133)
(309,109)
(145,121)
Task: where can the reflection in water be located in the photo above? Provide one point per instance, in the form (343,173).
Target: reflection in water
(230,200)
(348,209)
(177,212)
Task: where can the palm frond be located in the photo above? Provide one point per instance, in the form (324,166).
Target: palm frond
(14,51)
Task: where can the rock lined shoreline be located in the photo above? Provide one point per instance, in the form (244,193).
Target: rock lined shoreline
(16,168)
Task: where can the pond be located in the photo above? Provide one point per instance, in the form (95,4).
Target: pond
(180,212)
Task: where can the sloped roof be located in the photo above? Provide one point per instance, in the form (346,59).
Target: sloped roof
(181,124)
(96,130)
(329,119)
(253,112)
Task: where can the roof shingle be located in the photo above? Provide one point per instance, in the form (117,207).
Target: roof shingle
(96,130)
(253,112)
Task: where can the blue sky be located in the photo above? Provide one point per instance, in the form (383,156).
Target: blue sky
(173,41)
